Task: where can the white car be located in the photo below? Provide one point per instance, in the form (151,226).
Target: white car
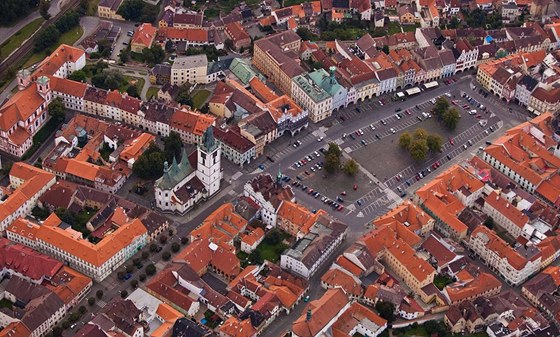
(381,103)
(392,130)
(447,94)
(397,116)
(372,127)
(320,139)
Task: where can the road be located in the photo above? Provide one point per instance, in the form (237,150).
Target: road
(285,155)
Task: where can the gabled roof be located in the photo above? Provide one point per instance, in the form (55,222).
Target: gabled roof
(322,311)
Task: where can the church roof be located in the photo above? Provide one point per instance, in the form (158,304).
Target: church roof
(176,173)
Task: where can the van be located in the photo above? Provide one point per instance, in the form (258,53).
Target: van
(472,112)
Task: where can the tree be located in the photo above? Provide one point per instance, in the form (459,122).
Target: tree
(99,294)
(305,34)
(56,109)
(489,222)
(334,149)
(153,247)
(65,324)
(405,140)
(124,293)
(228,43)
(79,76)
(351,167)
(134,284)
(256,257)
(129,268)
(44,6)
(132,90)
(385,49)
(175,247)
(184,240)
(145,255)
(419,149)
(142,277)
(109,79)
(386,310)
(163,239)
(150,164)
(82,309)
(57,331)
(121,274)
(420,134)
(14,10)
(172,146)
(434,142)
(124,55)
(166,255)
(131,10)
(184,95)
(454,23)
(441,106)
(150,269)
(169,46)
(47,38)
(332,162)
(451,118)
(91,301)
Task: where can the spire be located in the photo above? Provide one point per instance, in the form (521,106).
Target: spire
(208,140)
(332,70)
(308,316)
(174,169)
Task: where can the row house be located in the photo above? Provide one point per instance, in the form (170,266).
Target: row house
(329,83)
(430,61)
(70,92)
(507,216)
(289,117)
(543,100)
(190,125)
(260,129)
(513,266)
(312,97)
(268,194)
(524,88)
(235,147)
(466,56)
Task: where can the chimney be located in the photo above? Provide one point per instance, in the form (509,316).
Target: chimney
(308,316)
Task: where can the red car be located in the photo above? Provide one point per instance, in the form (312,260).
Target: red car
(451,141)
(340,208)
(343,193)
(355,187)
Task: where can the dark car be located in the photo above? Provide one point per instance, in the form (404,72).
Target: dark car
(159,249)
(270,158)
(398,109)
(359,202)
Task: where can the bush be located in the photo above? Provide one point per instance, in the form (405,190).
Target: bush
(65,325)
(74,317)
(134,284)
(82,309)
(175,247)
(170,232)
(142,277)
(153,247)
(136,261)
(124,294)
(129,268)
(184,240)
(163,239)
(91,300)
(145,255)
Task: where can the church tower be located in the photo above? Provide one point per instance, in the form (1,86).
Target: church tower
(44,88)
(209,166)
(23,78)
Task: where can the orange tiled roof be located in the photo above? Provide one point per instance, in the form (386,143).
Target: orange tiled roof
(501,248)
(236,32)
(283,105)
(233,327)
(191,122)
(253,237)
(508,210)
(417,267)
(52,63)
(144,36)
(137,146)
(323,311)
(222,225)
(471,287)
(71,241)
(336,277)
(69,87)
(68,284)
(348,265)
(354,316)
(34,180)
(298,215)
(407,212)
(21,106)
(15,329)
(437,195)
(262,90)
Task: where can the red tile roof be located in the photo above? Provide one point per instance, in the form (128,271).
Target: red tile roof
(26,261)
(144,36)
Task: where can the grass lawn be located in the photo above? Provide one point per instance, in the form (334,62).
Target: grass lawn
(92,7)
(393,28)
(199,97)
(129,79)
(17,39)
(152,92)
(69,38)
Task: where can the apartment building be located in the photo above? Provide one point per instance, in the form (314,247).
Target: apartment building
(235,147)
(143,38)
(312,97)
(269,195)
(466,55)
(27,184)
(513,266)
(542,292)
(446,196)
(276,56)
(191,69)
(308,253)
(507,216)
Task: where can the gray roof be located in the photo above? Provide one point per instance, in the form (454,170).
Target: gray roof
(188,62)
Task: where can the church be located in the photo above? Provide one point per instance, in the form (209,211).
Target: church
(196,177)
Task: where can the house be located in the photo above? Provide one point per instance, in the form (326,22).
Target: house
(269,195)
(508,217)
(108,9)
(189,20)
(235,32)
(143,37)
(313,98)
(250,241)
(406,14)
(160,74)
(235,147)
(541,291)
